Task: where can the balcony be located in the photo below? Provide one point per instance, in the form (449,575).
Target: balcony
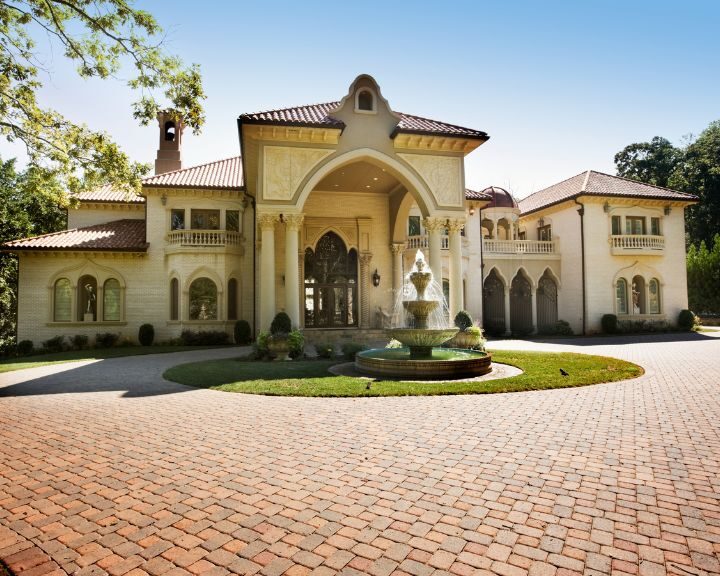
(637,244)
(421,242)
(178,240)
(518,247)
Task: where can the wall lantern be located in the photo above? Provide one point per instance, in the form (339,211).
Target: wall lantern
(606,207)
(163,199)
(667,210)
(472,210)
(541,223)
(376,278)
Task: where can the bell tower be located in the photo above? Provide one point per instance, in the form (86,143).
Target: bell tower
(168,154)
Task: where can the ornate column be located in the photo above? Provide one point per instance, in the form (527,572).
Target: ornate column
(365,259)
(301,286)
(456,287)
(507,310)
(434,227)
(397,252)
(266,290)
(293,223)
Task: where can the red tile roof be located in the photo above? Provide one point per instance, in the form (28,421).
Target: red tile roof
(319,115)
(222,174)
(108,194)
(116,236)
(593,183)
(475,195)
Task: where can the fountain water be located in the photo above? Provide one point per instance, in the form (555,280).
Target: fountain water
(421,325)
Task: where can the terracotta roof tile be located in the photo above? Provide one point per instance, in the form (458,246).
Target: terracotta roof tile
(592,183)
(221,174)
(117,236)
(475,195)
(110,195)
(319,115)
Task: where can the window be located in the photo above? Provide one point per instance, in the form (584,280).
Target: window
(522,235)
(174,299)
(635,225)
(205,219)
(177,219)
(654,296)
(232,220)
(365,101)
(545,233)
(87,298)
(655,226)
(62,304)
(621,296)
(203,299)
(232,299)
(111,300)
(414,226)
(616,227)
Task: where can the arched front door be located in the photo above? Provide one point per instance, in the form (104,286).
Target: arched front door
(331,272)
(521,320)
(494,304)
(547,308)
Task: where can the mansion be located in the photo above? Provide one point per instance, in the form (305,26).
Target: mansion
(321,215)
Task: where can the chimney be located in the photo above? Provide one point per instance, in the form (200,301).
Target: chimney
(168,154)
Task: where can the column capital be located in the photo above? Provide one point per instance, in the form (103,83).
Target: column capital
(293,221)
(455,224)
(267,220)
(365,258)
(433,223)
(397,248)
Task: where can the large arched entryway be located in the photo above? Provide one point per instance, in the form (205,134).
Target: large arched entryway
(521,320)
(494,304)
(547,303)
(331,284)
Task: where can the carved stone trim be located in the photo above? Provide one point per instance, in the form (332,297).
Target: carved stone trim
(432,223)
(397,248)
(267,221)
(365,259)
(443,175)
(455,224)
(284,167)
(294,221)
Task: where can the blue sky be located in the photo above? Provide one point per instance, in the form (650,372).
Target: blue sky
(560,86)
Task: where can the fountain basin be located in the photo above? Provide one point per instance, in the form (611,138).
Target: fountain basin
(443,364)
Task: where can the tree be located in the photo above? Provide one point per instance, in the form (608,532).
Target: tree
(699,173)
(703,268)
(32,202)
(651,162)
(102,37)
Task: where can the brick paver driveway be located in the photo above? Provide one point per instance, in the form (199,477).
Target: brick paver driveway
(105,468)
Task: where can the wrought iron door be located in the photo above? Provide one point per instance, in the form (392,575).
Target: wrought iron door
(547,307)
(521,321)
(494,305)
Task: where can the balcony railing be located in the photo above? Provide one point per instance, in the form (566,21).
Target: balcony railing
(518,246)
(203,238)
(636,242)
(421,242)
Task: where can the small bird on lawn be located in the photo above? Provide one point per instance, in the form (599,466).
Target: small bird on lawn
(367,386)
(563,372)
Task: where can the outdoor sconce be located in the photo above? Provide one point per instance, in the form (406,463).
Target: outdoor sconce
(667,210)
(472,210)
(376,278)
(606,207)
(163,199)
(541,223)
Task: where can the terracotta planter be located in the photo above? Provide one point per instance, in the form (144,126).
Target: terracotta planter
(280,347)
(466,340)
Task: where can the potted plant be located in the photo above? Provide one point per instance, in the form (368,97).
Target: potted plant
(279,341)
(469,336)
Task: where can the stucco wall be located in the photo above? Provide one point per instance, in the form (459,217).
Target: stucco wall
(89,215)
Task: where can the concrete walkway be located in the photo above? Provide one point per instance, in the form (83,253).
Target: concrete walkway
(106,468)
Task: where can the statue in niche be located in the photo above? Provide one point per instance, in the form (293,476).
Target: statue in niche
(90,298)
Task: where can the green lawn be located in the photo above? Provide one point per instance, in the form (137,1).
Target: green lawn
(311,377)
(9,364)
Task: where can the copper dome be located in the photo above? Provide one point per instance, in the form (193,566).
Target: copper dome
(501,198)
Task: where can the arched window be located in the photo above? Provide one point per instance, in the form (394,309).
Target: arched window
(62,301)
(203,299)
(232,299)
(87,298)
(174,299)
(365,101)
(654,296)
(621,303)
(111,300)
(169,131)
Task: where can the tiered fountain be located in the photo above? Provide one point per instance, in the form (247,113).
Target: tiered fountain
(422,326)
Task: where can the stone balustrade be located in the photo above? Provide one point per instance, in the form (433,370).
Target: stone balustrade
(203,238)
(632,242)
(420,242)
(518,246)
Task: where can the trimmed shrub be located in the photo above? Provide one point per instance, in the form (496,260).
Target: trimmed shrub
(686,320)
(350,349)
(296,340)
(242,332)
(204,337)
(463,320)
(106,339)
(55,344)
(609,323)
(325,350)
(79,341)
(146,334)
(494,327)
(281,324)
(562,328)
(25,347)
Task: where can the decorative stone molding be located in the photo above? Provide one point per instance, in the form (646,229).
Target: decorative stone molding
(433,223)
(455,224)
(294,221)
(443,175)
(284,167)
(267,221)
(365,259)
(397,248)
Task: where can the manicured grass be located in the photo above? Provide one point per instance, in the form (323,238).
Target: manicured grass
(10,364)
(311,377)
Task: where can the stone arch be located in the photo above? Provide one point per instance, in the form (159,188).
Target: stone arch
(521,317)
(547,302)
(349,244)
(413,183)
(90,268)
(399,227)
(494,289)
(552,274)
(204,272)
